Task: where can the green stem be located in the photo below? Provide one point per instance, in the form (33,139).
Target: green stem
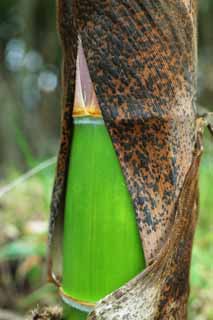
(102,248)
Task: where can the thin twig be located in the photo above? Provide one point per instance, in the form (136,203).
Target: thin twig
(27,175)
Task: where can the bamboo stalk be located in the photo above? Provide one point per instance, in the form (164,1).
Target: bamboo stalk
(139,57)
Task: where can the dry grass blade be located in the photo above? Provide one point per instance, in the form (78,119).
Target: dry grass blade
(27,176)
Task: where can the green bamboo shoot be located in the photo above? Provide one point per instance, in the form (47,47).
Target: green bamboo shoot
(102,249)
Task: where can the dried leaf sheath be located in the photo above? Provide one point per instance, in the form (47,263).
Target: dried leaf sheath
(141,57)
(66,24)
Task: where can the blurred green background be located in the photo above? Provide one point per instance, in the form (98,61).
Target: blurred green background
(29,135)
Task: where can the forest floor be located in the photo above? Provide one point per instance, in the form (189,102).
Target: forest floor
(24,220)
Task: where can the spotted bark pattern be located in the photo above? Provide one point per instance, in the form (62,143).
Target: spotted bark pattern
(141,56)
